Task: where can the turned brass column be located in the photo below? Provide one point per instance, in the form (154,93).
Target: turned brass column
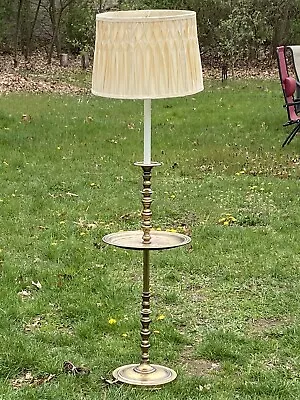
(146,227)
(146,200)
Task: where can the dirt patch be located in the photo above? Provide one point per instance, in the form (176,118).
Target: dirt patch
(198,367)
(266,324)
(27,379)
(201,367)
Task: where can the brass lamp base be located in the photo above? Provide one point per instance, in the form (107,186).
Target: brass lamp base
(144,375)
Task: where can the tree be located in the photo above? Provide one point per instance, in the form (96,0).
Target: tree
(56,12)
(241,34)
(80,27)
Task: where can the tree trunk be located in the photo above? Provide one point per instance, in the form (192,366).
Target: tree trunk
(55,26)
(25,28)
(33,27)
(18,24)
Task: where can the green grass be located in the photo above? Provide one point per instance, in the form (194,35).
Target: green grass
(230,300)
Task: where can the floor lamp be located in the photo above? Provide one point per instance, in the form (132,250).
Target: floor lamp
(146,54)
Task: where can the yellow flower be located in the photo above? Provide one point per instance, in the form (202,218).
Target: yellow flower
(112,321)
(124,335)
(160,317)
(227,220)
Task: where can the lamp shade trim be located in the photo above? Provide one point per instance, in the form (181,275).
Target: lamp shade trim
(144,15)
(142,97)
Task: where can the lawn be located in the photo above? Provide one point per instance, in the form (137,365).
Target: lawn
(225,309)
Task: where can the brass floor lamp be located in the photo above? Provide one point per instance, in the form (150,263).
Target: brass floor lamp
(146,54)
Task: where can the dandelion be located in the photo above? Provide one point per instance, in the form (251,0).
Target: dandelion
(112,321)
(160,317)
(124,335)
(173,230)
(183,229)
(227,220)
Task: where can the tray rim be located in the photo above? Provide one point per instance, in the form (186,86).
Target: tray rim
(112,239)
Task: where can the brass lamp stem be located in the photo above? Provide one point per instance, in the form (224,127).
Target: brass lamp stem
(145,366)
(144,373)
(145,313)
(145,317)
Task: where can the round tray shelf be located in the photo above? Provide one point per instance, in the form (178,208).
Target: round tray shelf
(160,240)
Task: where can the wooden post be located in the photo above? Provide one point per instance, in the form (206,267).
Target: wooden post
(85,62)
(64,60)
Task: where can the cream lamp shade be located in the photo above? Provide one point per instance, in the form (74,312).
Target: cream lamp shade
(146,54)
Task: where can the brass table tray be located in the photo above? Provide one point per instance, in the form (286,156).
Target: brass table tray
(159,240)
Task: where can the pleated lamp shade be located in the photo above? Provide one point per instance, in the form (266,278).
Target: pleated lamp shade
(146,54)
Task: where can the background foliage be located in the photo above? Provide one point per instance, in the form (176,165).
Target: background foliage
(229,31)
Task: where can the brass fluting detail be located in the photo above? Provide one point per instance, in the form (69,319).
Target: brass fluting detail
(145,317)
(146,213)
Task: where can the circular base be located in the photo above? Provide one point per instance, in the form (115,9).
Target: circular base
(144,375)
